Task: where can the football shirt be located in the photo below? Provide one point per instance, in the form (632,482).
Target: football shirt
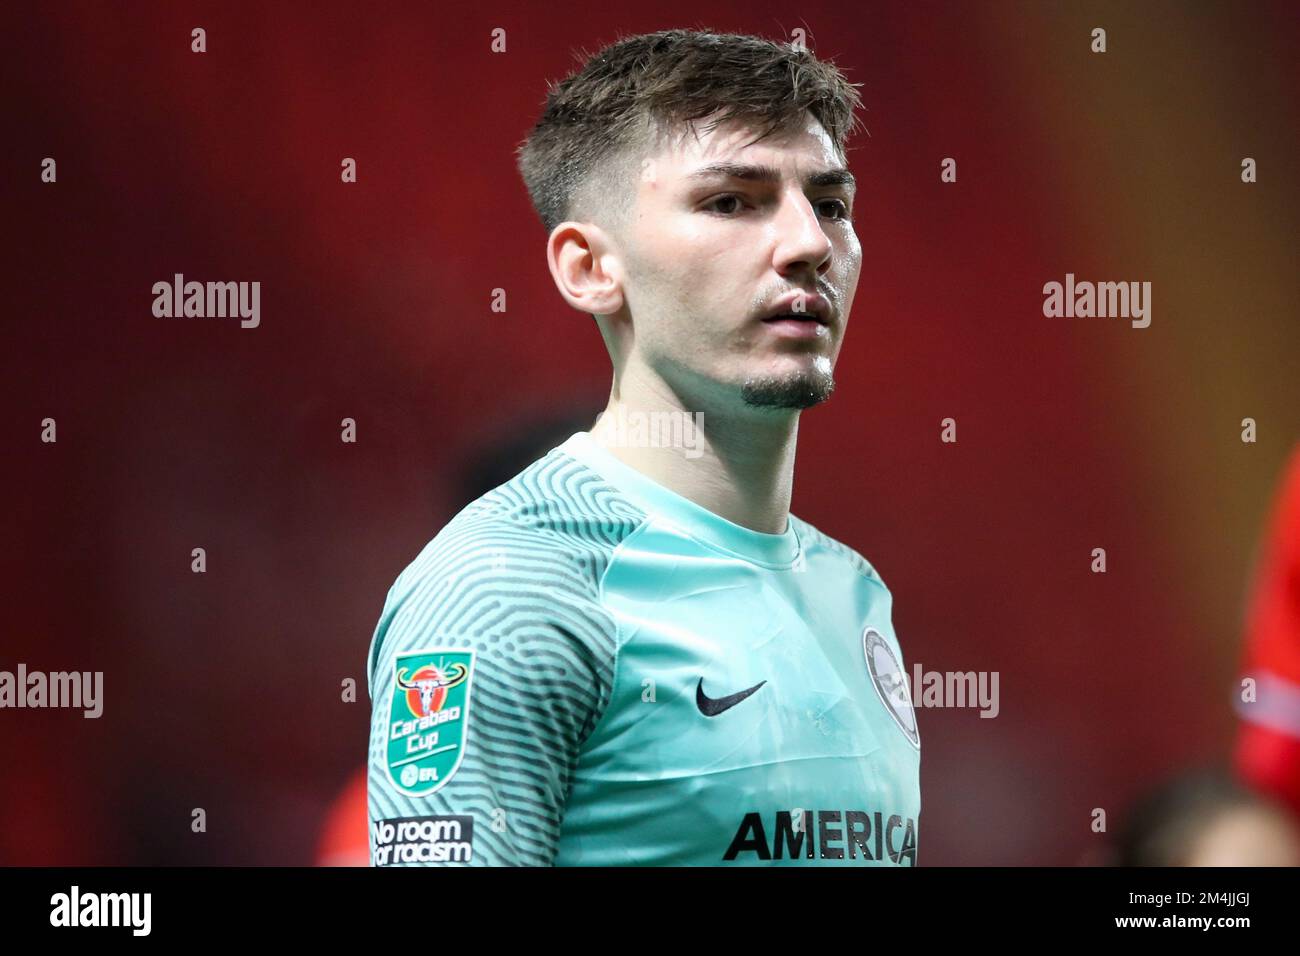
(585,668)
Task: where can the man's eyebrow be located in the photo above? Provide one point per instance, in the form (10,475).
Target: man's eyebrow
(767,174)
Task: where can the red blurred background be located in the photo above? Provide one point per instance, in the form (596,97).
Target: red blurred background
(222,690)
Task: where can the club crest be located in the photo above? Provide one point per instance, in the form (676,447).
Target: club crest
(890,683)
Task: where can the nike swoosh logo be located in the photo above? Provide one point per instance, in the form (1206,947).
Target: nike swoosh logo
(712,706)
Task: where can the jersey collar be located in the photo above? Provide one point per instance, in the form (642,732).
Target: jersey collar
(697,521)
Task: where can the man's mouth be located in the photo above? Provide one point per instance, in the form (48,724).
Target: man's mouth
(808,318)
(799,306)
(799,325)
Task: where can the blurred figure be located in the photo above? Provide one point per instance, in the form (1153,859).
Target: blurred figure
(1267,753)
(344,840)
(1207,818)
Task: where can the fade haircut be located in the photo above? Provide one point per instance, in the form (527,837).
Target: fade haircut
(580,158)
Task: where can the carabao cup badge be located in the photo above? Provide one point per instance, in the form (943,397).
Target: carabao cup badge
(430,711)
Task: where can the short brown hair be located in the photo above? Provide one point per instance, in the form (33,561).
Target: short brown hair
(599,116)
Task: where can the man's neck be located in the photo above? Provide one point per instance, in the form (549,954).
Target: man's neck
(739,467)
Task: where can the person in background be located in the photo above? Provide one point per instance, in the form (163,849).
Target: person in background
(1207,818)
(1266,756)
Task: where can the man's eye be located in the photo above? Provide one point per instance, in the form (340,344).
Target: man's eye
(720,200)
(839,204)
(731,203)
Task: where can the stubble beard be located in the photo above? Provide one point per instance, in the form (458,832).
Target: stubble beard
(802,389)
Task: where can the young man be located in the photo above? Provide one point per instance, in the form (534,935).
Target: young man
(631,652)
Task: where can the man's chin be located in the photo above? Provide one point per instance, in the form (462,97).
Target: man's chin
(795,390)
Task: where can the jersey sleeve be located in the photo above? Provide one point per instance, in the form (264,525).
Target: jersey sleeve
(491,663)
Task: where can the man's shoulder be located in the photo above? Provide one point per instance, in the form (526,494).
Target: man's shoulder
(543,538)
(556,509)
(813,540)
(522,563)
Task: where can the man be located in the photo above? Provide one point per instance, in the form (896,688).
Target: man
(631,652)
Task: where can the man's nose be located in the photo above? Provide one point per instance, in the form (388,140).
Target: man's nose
(802,240)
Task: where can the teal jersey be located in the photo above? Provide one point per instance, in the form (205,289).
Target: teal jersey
(586,668)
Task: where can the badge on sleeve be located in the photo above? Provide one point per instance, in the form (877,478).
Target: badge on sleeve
(430,708)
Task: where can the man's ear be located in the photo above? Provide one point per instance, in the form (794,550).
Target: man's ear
(586,267)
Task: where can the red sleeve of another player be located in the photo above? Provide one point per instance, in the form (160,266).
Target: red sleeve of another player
(1267,752)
